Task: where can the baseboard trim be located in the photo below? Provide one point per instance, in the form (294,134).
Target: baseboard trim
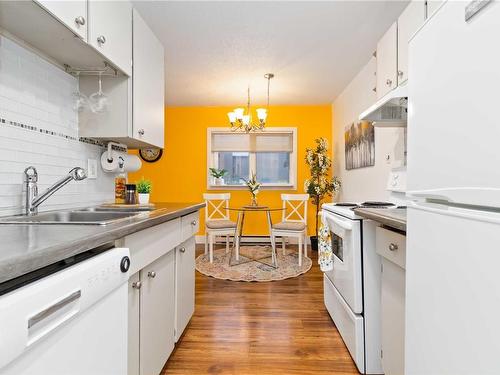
(253,239)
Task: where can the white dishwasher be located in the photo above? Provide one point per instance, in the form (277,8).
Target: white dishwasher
(72,321)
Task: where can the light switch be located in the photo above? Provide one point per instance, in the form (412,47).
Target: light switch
(92,169)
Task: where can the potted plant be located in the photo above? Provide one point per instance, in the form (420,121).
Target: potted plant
(254,188)
(218,175)
(319,185)
(143,190)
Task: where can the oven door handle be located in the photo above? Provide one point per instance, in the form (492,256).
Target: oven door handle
(341,223)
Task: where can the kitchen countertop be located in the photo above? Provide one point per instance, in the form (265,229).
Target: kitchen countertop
(394,218)
(28,247)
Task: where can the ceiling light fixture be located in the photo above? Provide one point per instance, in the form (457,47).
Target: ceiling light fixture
(241,121)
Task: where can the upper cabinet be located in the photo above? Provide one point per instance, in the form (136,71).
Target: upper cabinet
(148,84)
(387,61)
(408,23)
(78,34)
(135,116)
(73,14)
(110,31)
(392,48)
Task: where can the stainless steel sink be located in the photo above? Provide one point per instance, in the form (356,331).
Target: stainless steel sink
(118,209)
(71,217)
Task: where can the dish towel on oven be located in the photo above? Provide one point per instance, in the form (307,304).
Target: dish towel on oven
(325,254)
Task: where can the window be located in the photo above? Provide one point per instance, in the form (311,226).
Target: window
(271,154)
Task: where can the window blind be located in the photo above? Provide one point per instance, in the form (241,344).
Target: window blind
(254,142)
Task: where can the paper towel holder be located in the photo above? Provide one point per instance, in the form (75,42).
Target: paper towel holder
(110,149)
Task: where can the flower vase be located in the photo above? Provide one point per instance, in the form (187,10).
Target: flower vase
(254,203)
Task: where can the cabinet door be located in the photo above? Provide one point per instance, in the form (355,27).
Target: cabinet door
(133,324)
(408,23)
(110,31)
(148,84)
(184,285)
(71,13)
(157,314)
(387,61)
(393,318)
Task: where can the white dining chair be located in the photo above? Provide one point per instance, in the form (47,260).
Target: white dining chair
(217,221)
(293,222)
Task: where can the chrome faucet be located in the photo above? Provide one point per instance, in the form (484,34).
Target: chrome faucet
(33,200)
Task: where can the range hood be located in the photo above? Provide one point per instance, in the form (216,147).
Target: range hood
(389,111)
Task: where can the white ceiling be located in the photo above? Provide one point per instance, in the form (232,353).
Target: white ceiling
(213,50)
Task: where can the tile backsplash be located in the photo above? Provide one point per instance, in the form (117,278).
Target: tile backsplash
(39,127)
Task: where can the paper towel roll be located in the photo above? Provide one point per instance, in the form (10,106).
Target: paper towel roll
(120,162)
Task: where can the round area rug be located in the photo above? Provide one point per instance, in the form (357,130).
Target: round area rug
(245,270)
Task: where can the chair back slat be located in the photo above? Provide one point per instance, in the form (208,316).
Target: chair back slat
(216,206)
(295,207)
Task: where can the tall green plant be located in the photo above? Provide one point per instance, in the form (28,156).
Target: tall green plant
(320,184)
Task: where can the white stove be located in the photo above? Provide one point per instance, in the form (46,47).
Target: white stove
(352,289)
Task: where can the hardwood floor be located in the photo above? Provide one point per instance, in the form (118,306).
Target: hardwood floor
(279,327)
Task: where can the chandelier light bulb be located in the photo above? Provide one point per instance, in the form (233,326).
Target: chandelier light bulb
(232,117)
(246,119)
(239,113)
(262,114)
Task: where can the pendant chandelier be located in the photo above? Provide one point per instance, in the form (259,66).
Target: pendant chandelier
(243,122)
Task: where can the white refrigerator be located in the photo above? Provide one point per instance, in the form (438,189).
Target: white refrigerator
(453,230)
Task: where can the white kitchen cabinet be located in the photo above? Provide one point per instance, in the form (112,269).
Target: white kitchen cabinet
(157,314)
(387,61)
(148,84)
(408,23)
(184,285)
(110,31)
(136,114)
(391,246)
(73,14)
(134,291)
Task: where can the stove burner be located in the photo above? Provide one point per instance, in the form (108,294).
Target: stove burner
(346,204)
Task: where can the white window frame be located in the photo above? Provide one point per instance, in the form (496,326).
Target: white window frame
(212,161)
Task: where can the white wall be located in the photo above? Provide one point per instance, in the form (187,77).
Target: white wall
(365,183)
(39,127)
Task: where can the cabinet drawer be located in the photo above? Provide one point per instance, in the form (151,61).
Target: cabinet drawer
(392,246)
(190,225)
(149,244)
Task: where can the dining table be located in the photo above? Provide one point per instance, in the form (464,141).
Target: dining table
(238,234)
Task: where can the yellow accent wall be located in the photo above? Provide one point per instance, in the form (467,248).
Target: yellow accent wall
(181,174)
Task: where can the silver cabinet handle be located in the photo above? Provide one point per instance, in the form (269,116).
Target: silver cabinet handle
(388,82)
(101,39)
(400,73)
(140,131)
(152,274)
(137,285)
(393,247)
(182,249)
(80,20)
(194,222)
(37,318)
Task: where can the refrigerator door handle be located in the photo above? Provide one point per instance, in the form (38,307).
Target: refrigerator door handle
(471,196)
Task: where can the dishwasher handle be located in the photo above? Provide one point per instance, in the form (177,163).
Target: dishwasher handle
(49,311)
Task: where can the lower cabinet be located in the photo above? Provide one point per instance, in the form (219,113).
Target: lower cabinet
(184,285)
(161,292)
(157,314)
(393,318)
(391,245)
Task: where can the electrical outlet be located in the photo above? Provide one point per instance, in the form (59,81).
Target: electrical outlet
(92,169)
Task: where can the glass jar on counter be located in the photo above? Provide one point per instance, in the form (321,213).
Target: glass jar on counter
(130,194)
